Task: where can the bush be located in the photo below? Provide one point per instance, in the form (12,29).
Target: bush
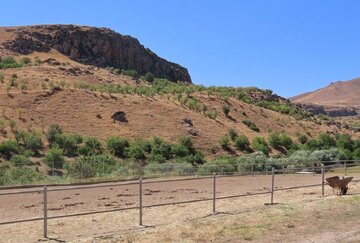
(9,62)
(159,148)
(132,73)
(226,110)
(257,160)
(149,77)
(216,166)
(52,132)
(233,134)
(68,143)
(212,114)
(8,148)
(300,159)
(96,165)
(251,125)
(274,140)
(328,155)
(25,60)
(326,141)
(280,141)
(259,144)
(30,140)
(54,158)
(117,145)
(19,176)
(344,141)
(138,149)
(302,138)
(92,146)
(20,160)
(242,143)
(224,142)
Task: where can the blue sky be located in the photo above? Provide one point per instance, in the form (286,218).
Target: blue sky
(288,46)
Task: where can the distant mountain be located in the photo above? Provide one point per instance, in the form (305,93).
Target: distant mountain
(337,94)
(99,47)
(340,98)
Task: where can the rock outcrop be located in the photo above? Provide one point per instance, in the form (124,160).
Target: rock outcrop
(99,47)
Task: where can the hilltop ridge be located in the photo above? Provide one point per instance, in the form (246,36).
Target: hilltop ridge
(100,47)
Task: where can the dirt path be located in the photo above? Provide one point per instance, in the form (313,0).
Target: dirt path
(83,200)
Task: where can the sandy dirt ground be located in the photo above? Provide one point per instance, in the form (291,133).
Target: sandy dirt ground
(163,223)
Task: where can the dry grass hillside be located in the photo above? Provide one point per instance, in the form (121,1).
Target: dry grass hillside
(89,112)
(336,94)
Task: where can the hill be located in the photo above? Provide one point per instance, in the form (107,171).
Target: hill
(154,120)
(100,47)
(337,99)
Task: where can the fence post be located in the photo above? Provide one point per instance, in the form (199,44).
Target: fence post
(252,169)
(272,184)
(45,212)
(322,179)
(140,202)
(214,193)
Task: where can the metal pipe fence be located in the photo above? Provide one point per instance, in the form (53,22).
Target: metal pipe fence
(272,189)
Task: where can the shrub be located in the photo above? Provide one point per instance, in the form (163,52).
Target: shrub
(117,145)
(226,110)
(8,148)
(160,148)
(259,144)
(326,141)
(274,140)
(216,166)
(138,149)
(285,141)
(92,146)
(20,160)
(30,140)
(224,142)
(232,134)
(132,73)
(19,176)
(149,77)
(257,160)
(54,158)
(251,125)
(212,114)
(302,138)
(344,141)
(9,62)
(90,166)
(12,125)
(25,60)
(242,143)
(52,132)
(68,143)
(328,155)
(300,159)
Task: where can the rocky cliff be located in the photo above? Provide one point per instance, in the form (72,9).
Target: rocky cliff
(100,47)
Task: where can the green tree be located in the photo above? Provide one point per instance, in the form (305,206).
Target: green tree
(54,158)
(259,144)
(224,142)
(52,132)
(242,143)
(117,145)
(92,146)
